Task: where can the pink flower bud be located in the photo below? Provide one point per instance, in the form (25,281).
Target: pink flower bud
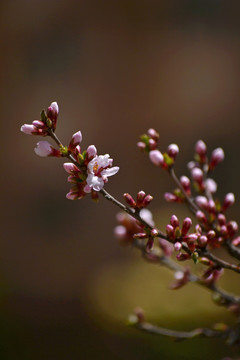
(191,165)
(28,129)
(211,206)
(77,138)
(221,219)
(71,195)
(70,168)
(202,241)
(147,200)
(153,134)
(198,229)
(192,237)
(182,257)
(91,152)
(120,232)
(152,144)
(211,185)
(177,246)
(173,150)
(201,217)
(140,197)
(156,158)
(201,148)
(186,184)
(197,175)
(129,199)
(174,221)
(43,148)
(216,158)
(236,241)
(39,124)
(223,230)
(75,141)
(228,201)
(187,223)
(232,227)
(202,202)
(170,231)
(141,145)
(53,111)
(211,234)
(169,197)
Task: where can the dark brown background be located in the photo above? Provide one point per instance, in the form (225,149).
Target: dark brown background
(116,68)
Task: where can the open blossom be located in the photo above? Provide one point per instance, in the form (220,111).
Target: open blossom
(99,169)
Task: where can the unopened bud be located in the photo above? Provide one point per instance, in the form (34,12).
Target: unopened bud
(129,200)
(221,219)
(140,197)
(173,150)
(170,231)
(152,144)
(224,230)
(147,200)
(211,206)
(174,221)
(156,158)
(201,217)
(153,134)
(91,152)
(201,148)
(177,246)
(232,227)
(211,185)
(186,184)
(202,241)
(169,197)
(202,202)
(216,158)
(236,241)
(197,175)
(187,223)
(141,145)
(211,234)
(228,201)
(183,257)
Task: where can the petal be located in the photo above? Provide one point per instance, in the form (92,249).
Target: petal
(110,172)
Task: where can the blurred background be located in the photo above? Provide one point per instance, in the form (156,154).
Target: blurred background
(116,68)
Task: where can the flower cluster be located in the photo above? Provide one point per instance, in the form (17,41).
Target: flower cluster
(48,121)
(88,172)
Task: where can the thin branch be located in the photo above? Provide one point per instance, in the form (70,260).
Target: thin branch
(190,201)
(227,298)
(233,250)
(221,263)
(181,335)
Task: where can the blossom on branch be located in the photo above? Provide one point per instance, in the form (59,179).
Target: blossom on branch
(99,169)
